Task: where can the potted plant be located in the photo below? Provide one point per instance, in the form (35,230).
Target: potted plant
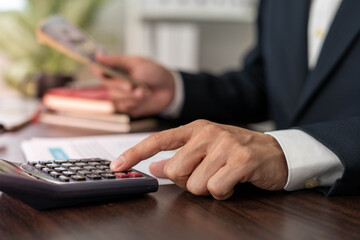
(31,62)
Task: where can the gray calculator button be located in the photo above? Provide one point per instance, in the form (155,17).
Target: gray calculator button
(60,161)
(64,178)
(75,169)
(81,164)
(55,174)
(45,162)
(46,170)
(67,165)
(89,167)
(60,169)
(39,166)
(84,172)
(93,176)
(105,162)
(103,167)
(98,171)
(108,175)
(74,160)
(68,173)
(52,165)
(90,159)
(78,178)
(94,163)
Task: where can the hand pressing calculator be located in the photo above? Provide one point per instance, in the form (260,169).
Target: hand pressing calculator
(59,183)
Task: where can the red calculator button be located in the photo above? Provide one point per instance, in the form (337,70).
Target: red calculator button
(134,174)
(121,175)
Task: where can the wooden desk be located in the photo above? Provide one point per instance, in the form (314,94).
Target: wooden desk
(172,213)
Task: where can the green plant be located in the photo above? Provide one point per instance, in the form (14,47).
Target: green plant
(18,40)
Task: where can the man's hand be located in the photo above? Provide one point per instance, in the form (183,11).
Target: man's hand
(153,98)
(212,159)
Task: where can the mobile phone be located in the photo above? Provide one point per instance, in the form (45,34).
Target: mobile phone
(63,36)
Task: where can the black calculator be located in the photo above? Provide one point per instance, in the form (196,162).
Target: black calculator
(59,183)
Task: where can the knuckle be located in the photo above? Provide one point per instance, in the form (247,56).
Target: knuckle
(210,129)
(154,137)
(245,160)
(170,172)
(195,188)
(227,138)
(200,122)
(216,189)
(247,154)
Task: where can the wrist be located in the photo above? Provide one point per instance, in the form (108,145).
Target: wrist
(173,109)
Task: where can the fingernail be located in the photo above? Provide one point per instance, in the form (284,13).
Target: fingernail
(117,163)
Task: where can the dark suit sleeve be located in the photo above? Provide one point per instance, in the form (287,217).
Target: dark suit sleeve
(343,138)
(234,96)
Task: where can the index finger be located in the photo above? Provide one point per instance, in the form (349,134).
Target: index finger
(161,141)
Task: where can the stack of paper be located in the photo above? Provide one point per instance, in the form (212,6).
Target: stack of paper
(107,147)
(15,112)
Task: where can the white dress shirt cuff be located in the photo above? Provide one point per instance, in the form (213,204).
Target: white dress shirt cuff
(310,163)
(174,109)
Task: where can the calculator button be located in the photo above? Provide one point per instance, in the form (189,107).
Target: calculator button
(39,166)
(60,161)
(55,174)
(84,172)
(98,171)
(80,164)
(89,167)
(67,165)
(46,170)
(52,165)
(32,163)
(108,175)
(121,175)
(74,160)
(105,162)
(75,169)
(78,178)
(134,174)
(102,167)
(90,159)
(93,176)
(64,178)
(60,169)
(45,162)
(94,163)
(68,173)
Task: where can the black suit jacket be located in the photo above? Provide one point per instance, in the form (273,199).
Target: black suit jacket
(276,84)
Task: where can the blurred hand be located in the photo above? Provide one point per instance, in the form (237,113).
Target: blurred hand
(213,158)
(152,98)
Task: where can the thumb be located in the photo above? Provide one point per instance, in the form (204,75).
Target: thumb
(119,61)
(157,168)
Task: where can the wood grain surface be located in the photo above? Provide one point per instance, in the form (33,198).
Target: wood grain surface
(172,213)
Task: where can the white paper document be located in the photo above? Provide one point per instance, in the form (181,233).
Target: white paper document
(107,147)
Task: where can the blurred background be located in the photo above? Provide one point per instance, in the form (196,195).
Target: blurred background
(191,35)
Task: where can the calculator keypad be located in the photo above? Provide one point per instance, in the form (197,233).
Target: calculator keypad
(77,170)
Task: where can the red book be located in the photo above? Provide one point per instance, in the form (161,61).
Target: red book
(79,100)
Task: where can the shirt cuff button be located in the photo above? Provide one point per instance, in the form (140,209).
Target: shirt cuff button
(312,183)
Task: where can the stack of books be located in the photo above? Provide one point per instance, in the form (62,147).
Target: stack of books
(90,108)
